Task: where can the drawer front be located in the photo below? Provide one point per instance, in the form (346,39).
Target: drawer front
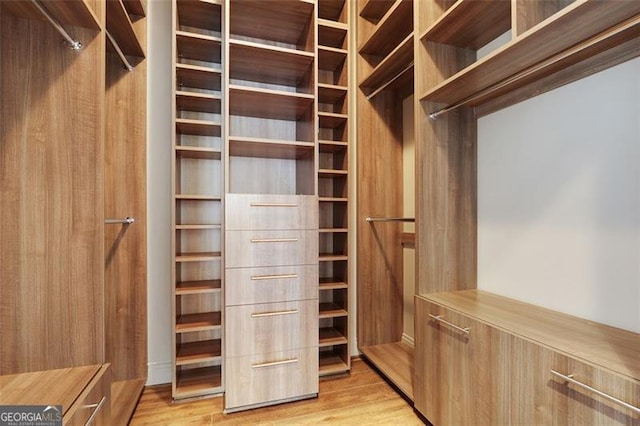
(265,211)
(271,248)
(271,284)
(271,327)
(259,379)
(93,406)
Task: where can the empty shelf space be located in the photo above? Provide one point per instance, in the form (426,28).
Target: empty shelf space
(330,363)
(198,381)
(198,197)
(470,23)
(266,103)
(135,7)
(395,361)
(331,310)
(269,148)
(332,284)
(374,10)
(391,30)
(124,399)
(198,322)
(330,58)
(201,351)
(392,65)
(332,34)
(187,126)
(74,13)
(201,102)
(198,152)
(120,27)
(268,64)
(332,257)
(330,93)
(200,14)
(330,9)
(286,20)
(330,336)
(328,173)
(330,120)
(198,287)
(204,256)
(332,146)
(198,47)
(198,77)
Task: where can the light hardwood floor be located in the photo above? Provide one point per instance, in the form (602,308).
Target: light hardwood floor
(360,398)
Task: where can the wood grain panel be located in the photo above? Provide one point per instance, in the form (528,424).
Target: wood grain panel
(271,211)
(271,284)
(270,248)
(51,197)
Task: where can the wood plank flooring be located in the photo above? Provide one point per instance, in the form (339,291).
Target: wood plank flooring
(362,397)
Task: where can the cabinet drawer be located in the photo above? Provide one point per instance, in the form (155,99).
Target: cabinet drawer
(266,211)
(259,379)
(271,327)
(271,248)
(93,406)
(271,284)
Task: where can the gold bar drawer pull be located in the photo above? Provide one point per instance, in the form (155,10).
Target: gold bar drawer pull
(569,378)
(274,240)
(439,318)
(274,363)
(274,313)
(96,410)
(273,277)
(273,205)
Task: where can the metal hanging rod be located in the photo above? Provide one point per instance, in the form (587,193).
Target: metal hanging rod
(123,58)
(126,221)
(73,44)
(533,69)
(388,83)
(390,219)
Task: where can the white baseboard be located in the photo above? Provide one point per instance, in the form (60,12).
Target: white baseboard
(159,373)
(408,340)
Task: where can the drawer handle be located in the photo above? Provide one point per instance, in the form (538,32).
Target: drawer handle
(569,378)
(274,240)
(438,318)
(273,277)
(273,205)
(274,313)
(273,363)
(96,410)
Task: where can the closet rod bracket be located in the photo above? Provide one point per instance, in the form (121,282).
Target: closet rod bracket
(69,41)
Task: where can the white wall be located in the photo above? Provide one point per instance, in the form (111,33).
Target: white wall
(559,199)
(159,190)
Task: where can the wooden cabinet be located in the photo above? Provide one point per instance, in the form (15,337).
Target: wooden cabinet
(484,359)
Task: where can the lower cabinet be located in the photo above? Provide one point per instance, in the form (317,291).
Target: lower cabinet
(504,366)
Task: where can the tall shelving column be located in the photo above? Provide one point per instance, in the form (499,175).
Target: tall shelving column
(333,185)
(198,204)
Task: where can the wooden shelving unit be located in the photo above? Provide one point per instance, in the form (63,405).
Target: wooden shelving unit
(394,26)
(333,185)
(75,13)
(374,10)
(198,203)
(121,28)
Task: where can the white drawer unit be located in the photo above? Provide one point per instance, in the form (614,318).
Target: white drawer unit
(271,284)
(246,249)
(267,211)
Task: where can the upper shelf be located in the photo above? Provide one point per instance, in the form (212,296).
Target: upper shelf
(331,33)
(331,9)
(198,77)
(135,7)
(76,13)
(580,27)
(391,30)
(471,23)
(200,14)
(390,67)
(375,9)
(121,29)
(198,47)
(265,103)
(330,58)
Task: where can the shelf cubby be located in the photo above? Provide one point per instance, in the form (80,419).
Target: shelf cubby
(332,361)
(198,287)
(205,256)
(192,382)
(394,27)
(267,103)
(331,120)
(270,148)
(328,146)
(121,29)
(331,310)
(198,352)
(187,126)
(332,34)
(135,8)
(390,66)
(329,336)
(198,153)
(201,102)
(205,15)
(332,10)
(198,77)
(198,322)
(198,47)
(374,10)
(331,58)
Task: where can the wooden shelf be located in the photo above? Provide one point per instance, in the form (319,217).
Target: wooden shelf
(198,381)
(197,227)
(197,152)
(330,120)
(332,284)
(332,199)
(330,58)
(124,399)
(268,64)
(394,27)
(331,33)
(121,29)
(327,173)
(198,287)
(200,14)
(198,47)
(266,103)
(200,351)
(269,148)
(201,102)
(198,197)
(395,361)
(330,9)
(135,7)
(282,21)
(330,257)
(187,126)
(390,66)
(76,13)
(470,24)
(198,322)
(198,77)
(330,363)
(332,146)
(333,230)
(204,256)
(331,93)
(329,336)
(331,310)
(536,45)
(374,10)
